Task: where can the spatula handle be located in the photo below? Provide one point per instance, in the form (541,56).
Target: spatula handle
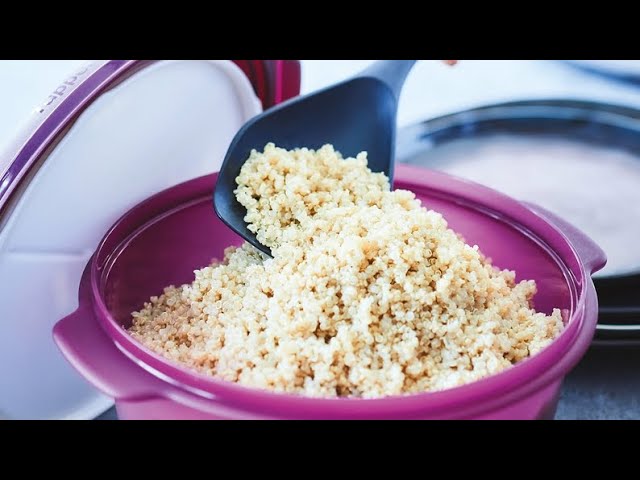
(392,72)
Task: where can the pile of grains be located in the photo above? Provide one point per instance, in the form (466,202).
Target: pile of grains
(367,294)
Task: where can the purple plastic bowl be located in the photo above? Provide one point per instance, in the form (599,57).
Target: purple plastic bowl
(162,240)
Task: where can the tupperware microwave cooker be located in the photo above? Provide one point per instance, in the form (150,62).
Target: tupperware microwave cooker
(596,134)
(164,238)
(109,136)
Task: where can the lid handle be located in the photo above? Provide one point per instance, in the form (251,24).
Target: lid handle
(88,348)
(592,256)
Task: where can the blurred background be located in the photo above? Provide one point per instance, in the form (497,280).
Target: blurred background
(432,89)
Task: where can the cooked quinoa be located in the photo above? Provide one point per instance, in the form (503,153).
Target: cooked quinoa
(368,292)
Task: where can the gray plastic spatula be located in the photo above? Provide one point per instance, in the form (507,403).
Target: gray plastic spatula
(356,115)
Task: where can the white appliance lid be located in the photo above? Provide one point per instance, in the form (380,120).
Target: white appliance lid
(113,134)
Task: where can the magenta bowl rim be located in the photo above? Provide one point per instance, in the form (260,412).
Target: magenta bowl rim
(517,381)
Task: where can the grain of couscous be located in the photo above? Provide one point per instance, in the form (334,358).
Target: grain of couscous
(368,293)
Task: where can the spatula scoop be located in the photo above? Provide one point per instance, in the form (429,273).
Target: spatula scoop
(356,115)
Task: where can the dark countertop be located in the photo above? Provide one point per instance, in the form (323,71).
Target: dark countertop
(605,385)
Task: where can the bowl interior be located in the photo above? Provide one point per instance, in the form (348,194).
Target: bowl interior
(172,244)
